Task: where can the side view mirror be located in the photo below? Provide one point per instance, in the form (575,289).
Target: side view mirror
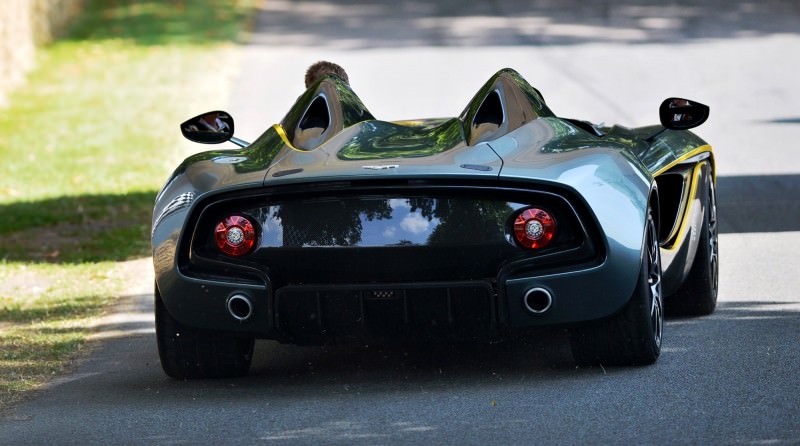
(209,128)
(682,114)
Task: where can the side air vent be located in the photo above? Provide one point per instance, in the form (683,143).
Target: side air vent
(316,116)
(312,129)
(488,119)
(490,111)
(671,192)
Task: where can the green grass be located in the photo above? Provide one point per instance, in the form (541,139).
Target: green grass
(81,228)
(100,118)
(86,143)
(163,22)
(44,314)
(43,292)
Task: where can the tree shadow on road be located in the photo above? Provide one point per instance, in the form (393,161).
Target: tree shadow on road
(411,362)
(351,24)
(312,395)
(542,358)
(758,203)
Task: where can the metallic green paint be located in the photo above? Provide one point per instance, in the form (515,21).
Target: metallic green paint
(385,140)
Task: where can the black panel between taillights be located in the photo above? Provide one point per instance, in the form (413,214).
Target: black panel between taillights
(362,233)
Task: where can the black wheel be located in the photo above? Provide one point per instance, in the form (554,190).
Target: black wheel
(698,294)
(190,354)
(633,336)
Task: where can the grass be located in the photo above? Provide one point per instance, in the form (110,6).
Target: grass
(44,315)
(73,229)
(86,144)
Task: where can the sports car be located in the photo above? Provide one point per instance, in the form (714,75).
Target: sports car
(337,227)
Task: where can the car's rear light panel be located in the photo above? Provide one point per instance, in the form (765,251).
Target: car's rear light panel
(363,235)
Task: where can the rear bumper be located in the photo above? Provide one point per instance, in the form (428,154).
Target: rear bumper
(299,301)
(314,314)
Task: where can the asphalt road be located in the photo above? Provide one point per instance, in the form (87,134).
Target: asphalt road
(730,378)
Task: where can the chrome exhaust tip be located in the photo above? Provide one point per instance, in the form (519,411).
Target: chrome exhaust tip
(240,307)
(538,300)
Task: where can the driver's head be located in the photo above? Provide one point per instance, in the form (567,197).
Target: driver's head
(323,68)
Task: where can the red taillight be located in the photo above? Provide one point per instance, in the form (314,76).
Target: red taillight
(235,235)
(534,228)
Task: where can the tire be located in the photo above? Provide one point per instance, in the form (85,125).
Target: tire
(698,294)
(190,354)
(632,336)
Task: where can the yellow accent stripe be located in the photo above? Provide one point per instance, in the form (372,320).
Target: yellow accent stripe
(686,156)
(284,137)
(680,232)
(687,213)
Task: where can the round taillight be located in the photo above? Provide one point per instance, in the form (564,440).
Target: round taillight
(235,235)
(534,228)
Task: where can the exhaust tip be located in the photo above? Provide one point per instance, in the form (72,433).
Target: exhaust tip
(240,307)
(538,300)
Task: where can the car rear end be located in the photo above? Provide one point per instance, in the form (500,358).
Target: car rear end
(352,261)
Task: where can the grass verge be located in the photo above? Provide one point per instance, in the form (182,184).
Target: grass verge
(46,310)
(86,144)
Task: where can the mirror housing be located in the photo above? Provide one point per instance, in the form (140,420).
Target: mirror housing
(682,114)
(213,127)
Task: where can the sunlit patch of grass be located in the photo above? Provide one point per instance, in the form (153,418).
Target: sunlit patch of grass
(100,115)
(101,118)
(158,22)
(41,292)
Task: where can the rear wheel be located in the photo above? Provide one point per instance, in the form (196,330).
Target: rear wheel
(190,354)
(633,336)
(698,294)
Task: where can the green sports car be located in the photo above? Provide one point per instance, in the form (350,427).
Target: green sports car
(334,226)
